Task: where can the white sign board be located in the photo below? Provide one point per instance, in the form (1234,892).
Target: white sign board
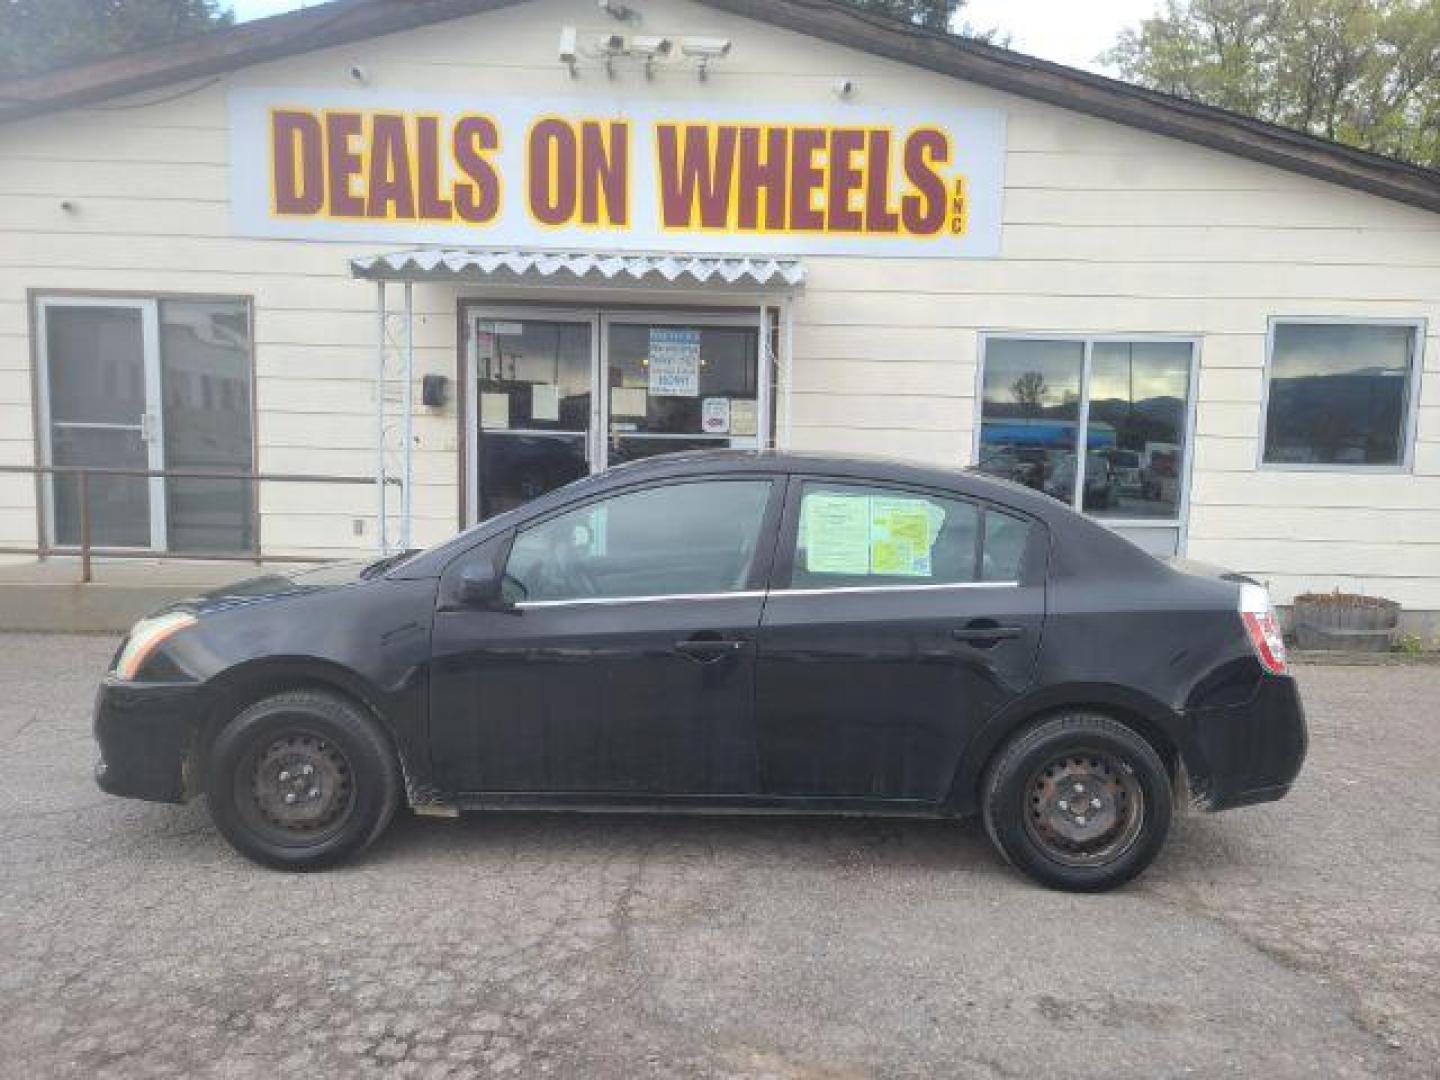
(604,173)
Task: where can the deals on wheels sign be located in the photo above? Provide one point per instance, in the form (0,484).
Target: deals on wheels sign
(713,177)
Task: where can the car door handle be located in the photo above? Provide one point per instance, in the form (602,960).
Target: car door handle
(708,650)
(983,633)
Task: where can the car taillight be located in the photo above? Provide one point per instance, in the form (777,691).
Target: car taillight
(1263,628)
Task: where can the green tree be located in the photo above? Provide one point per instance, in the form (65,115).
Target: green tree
(935,14)
(36,35)
(1364,72)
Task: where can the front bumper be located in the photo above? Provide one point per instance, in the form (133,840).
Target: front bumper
(145,732)
(1237,755)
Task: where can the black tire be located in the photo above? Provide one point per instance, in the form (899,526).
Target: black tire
(1028,784)
(339,807)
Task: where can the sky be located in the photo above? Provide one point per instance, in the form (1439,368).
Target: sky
(1070,32)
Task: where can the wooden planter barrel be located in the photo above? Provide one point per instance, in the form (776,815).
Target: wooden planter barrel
(1345,623)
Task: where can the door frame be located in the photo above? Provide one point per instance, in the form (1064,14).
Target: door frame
(600,318)
(152,421)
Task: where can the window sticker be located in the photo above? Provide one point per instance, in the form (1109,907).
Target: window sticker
(837,534)
(544,401)
(902,532)
(859,535)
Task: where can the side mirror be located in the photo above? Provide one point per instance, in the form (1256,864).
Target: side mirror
(480,587)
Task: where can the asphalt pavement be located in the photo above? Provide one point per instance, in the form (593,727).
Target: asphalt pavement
(1298,939)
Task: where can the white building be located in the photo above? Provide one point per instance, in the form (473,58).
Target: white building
(683,224)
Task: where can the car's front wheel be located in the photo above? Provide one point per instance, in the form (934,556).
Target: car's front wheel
(1078,802)
(301,780)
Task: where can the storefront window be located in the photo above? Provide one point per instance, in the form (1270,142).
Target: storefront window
(1135,401)
(1139,395)
(1030,412)
(1340,394)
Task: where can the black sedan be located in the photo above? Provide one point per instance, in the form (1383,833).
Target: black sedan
(725,632)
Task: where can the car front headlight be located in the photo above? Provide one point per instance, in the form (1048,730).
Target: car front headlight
(145,635)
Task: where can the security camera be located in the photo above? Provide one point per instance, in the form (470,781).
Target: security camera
(611,44)
(844,88)
(705,48)
(568,38)
(650,47)
(359,74)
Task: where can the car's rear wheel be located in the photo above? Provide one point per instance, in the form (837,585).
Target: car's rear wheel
(1078,802)
(302,780)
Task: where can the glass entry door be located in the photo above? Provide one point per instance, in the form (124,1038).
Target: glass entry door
(678,383)
(531,416)
(100,394)
(556,394)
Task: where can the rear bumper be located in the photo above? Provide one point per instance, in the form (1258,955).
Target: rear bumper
(144,732)
(1238,755)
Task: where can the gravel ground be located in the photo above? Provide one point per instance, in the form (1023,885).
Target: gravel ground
(1296,939)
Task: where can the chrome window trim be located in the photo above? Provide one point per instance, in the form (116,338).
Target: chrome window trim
(754,594)
(936,587)
(597,601)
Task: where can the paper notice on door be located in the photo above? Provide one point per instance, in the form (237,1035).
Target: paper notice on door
(544,401)
(742,416)
(837,534)
(715,415)
(494,411)
(674,362)
(628,401)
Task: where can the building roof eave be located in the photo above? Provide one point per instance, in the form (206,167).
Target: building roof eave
(343,21)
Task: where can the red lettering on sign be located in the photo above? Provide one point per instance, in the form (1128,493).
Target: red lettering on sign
(298,177)
(805,179)
(389,183)
(432,205)
(845,180)
(924,211)
(342,164)
(552,172)
(477,197)
(604,172)
(762,175)
(691,175)
(879,216)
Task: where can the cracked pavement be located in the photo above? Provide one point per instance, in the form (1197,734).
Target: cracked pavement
(1296,939)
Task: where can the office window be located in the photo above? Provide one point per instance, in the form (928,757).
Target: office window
(1340,393)
(1134,398)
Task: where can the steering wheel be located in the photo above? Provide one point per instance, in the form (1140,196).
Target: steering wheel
(571,573)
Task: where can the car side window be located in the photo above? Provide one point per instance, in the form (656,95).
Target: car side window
(1003,552)
(855,535)
(684,538)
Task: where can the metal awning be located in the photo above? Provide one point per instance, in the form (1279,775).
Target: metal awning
(518,266)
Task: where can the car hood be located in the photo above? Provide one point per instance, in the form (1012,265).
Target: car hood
(278,585)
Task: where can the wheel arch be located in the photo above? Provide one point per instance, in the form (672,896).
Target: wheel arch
(1157,724)
(237,688)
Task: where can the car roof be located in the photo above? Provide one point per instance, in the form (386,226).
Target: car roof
(861,468)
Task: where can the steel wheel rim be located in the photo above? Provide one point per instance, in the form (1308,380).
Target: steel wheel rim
(1084,807)
(295,789)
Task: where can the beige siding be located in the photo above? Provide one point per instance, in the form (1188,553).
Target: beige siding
(1106,230)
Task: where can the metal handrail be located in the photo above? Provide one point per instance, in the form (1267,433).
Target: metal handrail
(87,551)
